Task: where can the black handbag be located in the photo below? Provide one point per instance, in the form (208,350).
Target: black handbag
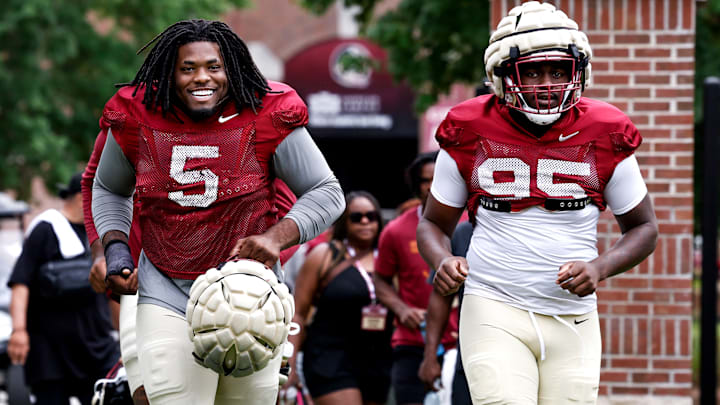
(65,278)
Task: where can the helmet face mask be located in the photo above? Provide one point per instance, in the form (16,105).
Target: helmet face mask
(547,84)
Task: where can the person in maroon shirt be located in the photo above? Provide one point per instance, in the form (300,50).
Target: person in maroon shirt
(398,256)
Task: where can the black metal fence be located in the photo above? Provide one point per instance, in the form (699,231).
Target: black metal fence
(711,181)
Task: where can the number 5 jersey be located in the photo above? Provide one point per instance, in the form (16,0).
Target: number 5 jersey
(202,185)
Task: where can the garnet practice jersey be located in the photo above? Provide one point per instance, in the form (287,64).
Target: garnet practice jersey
(501,161)
(202,185)
(507,169)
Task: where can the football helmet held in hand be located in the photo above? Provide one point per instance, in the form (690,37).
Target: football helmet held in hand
(239,317)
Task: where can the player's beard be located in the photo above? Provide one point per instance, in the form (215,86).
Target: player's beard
(201,114)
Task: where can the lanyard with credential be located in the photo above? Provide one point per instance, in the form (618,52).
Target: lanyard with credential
(373,315)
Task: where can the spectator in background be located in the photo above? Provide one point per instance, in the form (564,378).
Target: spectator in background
(398,256)
(64,341)
(347,346)
(438,315)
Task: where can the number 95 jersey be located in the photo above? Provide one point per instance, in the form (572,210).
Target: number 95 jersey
(534,201)
(202,185)
(509,169)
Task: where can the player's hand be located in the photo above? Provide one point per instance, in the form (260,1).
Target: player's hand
(580,278)
(429,372)
(121,275)
(18,346)
(411,317)
(120,284)
(257,247)
(97,275)
(450,275)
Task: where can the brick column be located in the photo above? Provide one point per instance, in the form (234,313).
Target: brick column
(644,65)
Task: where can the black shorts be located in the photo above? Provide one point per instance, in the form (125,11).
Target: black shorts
(405,381)
(328,370)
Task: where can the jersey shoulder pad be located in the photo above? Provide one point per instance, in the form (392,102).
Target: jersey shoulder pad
(121,116)
(608,119)
(455,128)
(287,110)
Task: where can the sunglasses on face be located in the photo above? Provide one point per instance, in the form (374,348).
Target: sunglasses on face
(356,217)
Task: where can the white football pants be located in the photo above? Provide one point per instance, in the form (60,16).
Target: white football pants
(513,356)
(128,343)
(172,376)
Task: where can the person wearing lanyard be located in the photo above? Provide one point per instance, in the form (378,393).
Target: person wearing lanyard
(346,341)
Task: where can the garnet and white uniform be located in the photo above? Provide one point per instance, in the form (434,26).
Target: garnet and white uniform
(220,165)
(203,186)
(535,204)
(535,201)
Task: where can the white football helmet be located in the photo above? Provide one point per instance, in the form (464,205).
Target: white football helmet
(530,33)
(239,317)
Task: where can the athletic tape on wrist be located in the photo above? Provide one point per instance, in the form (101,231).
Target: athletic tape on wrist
(118,257)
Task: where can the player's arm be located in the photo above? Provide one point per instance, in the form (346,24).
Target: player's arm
(438,314)
(300,164)
(627,196)
(112,213)
(443,210)
(98,269)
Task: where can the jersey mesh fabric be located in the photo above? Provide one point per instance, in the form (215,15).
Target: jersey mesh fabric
(499,159)
(202,185)
(239,205)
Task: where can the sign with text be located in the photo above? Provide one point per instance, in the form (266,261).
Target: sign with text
(351,100)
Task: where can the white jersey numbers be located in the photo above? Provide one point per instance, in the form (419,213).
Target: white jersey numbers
(490,177)
(518,188)
(180,154)
(548,167)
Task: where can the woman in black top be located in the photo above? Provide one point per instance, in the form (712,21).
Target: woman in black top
(346,346)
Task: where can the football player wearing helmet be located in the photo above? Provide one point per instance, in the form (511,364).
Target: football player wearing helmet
(200,135)
(535,163)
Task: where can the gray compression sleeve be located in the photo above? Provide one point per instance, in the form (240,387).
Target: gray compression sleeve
(301,165)
(113,187)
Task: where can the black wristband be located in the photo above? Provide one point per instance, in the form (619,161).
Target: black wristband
(118,258)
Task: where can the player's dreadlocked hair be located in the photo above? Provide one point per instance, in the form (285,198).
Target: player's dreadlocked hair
(247,85)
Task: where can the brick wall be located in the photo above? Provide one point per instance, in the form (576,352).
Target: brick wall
(644,64)
(284,26)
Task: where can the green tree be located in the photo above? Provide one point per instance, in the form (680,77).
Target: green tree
(431,44)
(59,61)
(707,49)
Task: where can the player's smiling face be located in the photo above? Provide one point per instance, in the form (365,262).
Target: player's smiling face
(200,79)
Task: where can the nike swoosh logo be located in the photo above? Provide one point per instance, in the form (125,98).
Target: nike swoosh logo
(563,138)
(579,322)
(222,119)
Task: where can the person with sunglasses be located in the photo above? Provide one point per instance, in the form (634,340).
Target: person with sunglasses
(346,341)
(398,256)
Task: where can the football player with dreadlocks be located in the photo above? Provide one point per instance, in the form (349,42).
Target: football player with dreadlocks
(535,164)
(200,135)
